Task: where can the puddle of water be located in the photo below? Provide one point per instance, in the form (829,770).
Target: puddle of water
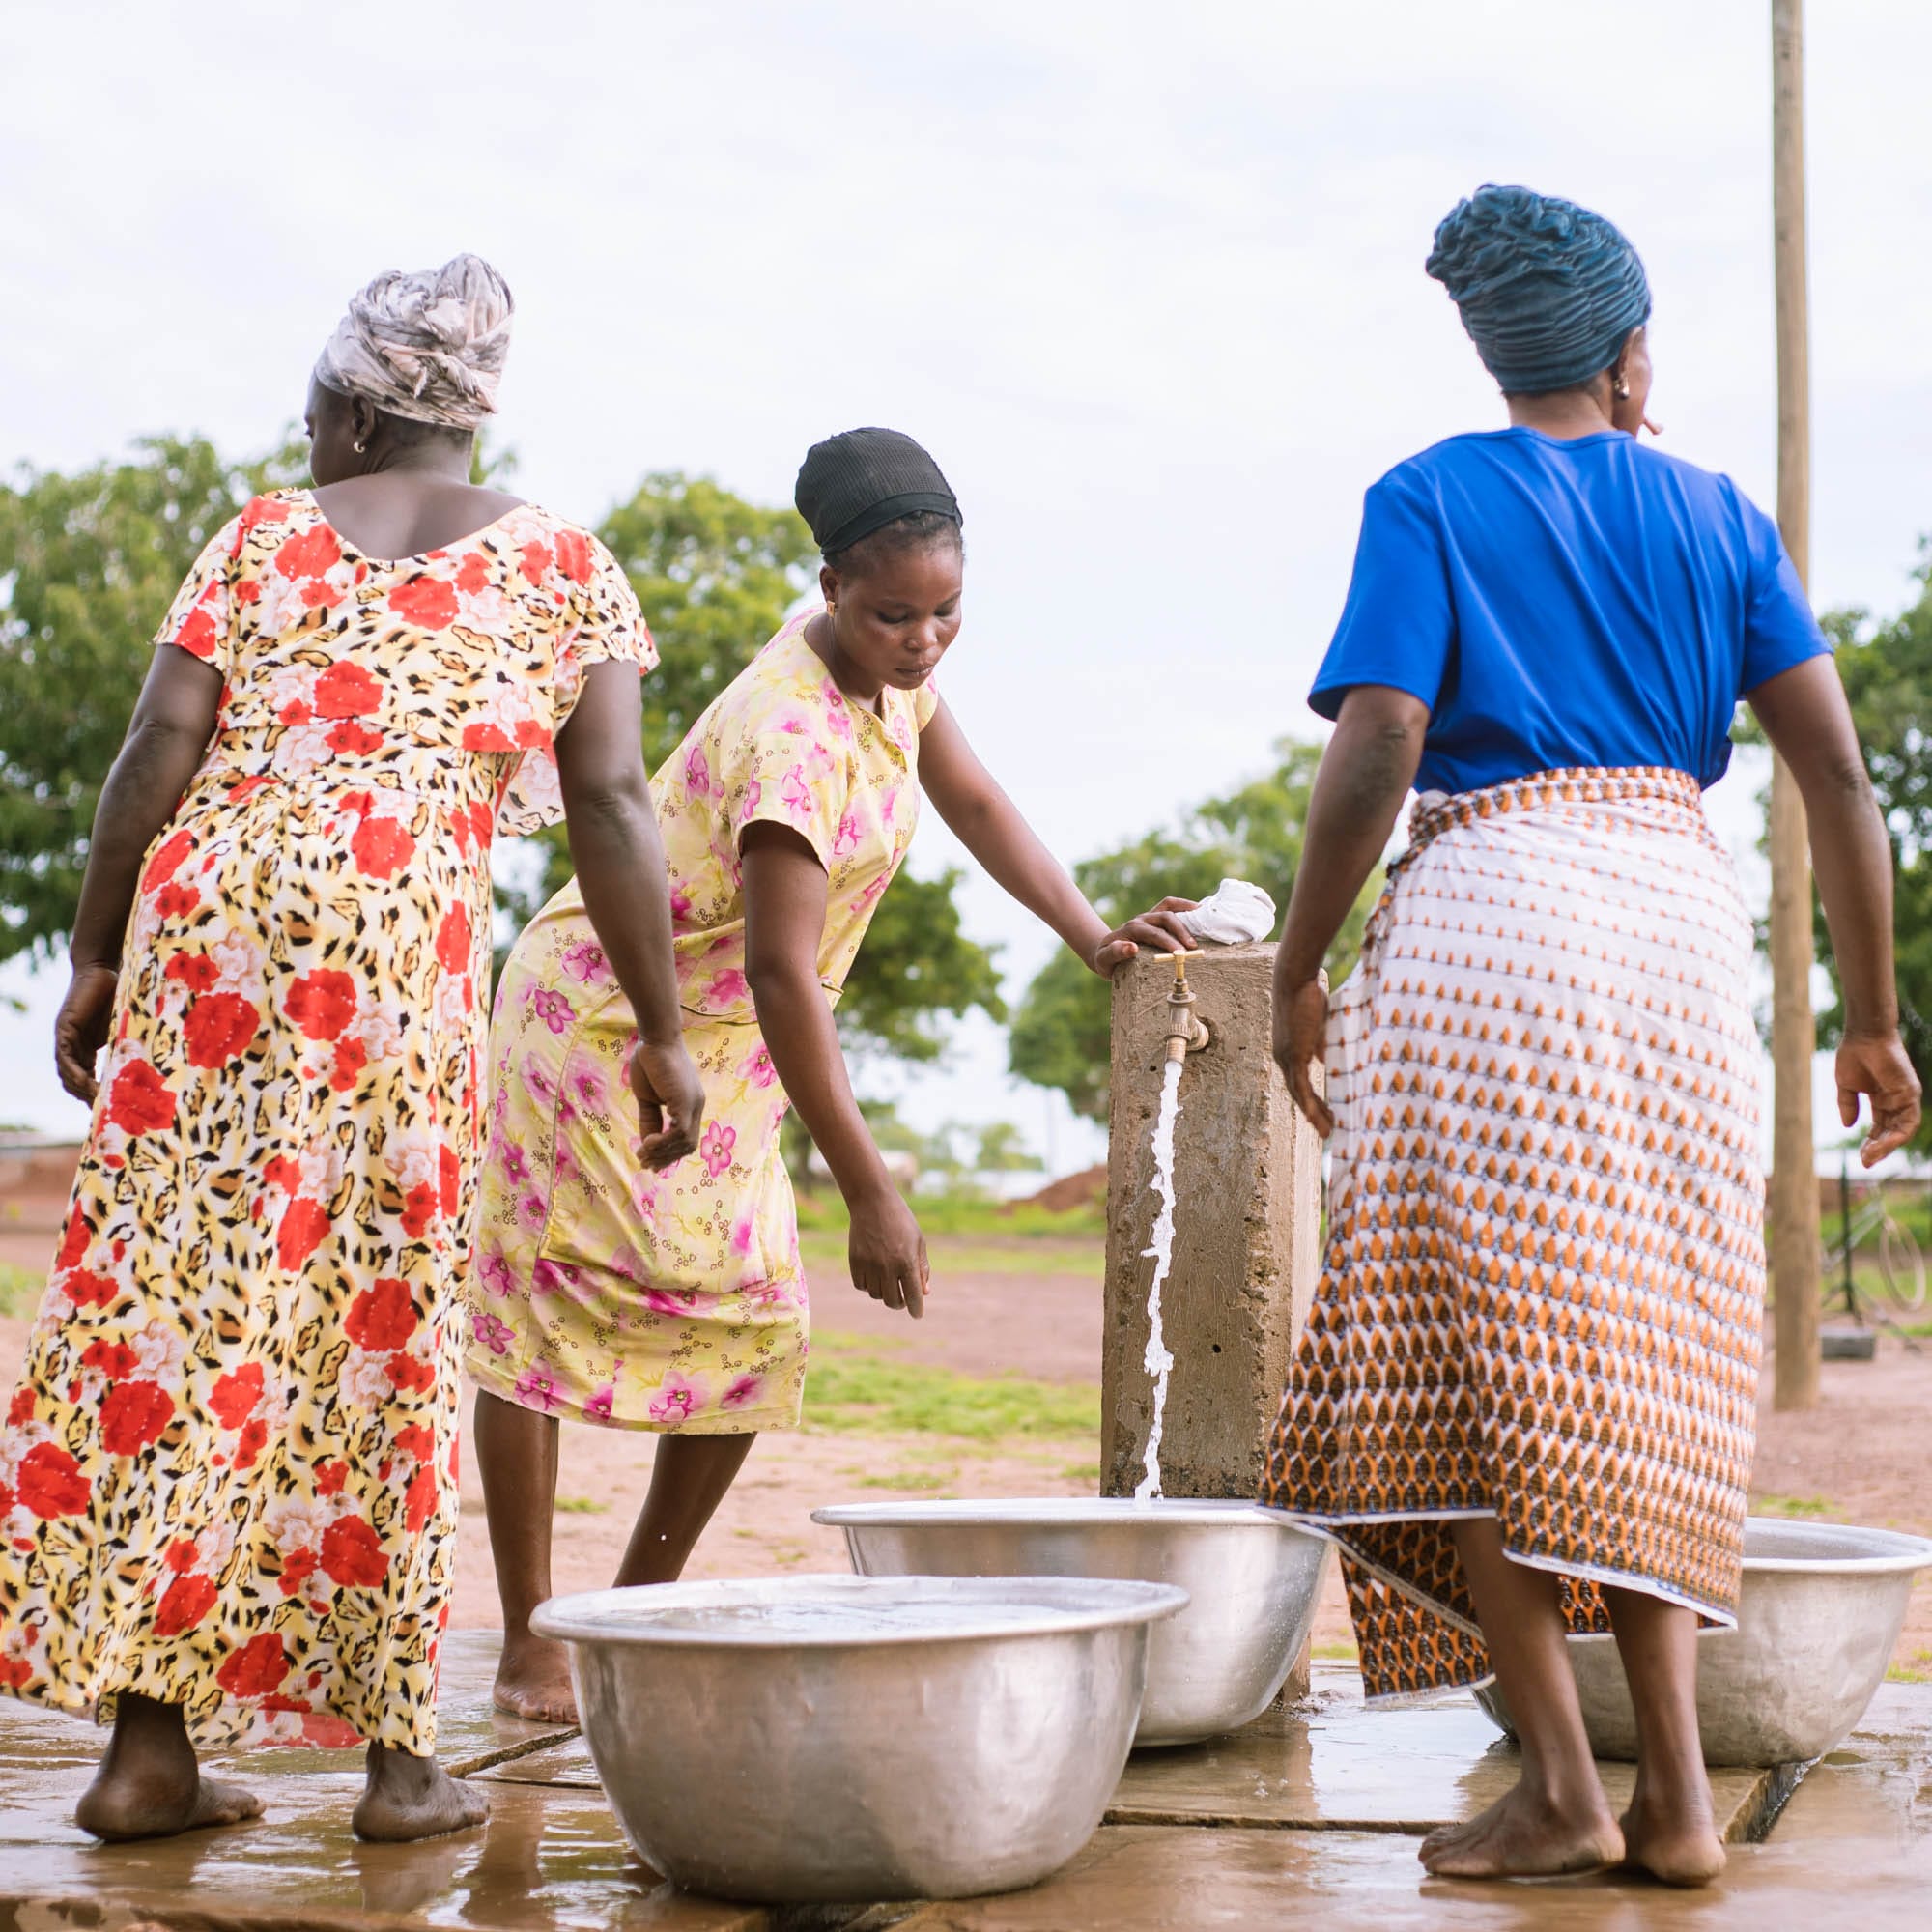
(1158,1361)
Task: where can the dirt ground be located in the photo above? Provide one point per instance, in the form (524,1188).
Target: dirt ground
(1864,1455)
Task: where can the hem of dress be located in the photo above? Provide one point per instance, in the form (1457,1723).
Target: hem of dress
(739,1422)
(1587,1572)
(242,1736)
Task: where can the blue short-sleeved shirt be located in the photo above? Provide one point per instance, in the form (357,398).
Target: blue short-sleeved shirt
(1556,603)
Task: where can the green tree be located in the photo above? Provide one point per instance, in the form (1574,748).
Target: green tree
(1060,1034)
(1886,669)
(88,564)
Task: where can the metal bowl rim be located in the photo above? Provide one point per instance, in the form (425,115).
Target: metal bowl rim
(1111,1601)
(1056,1512)
(1907,1553)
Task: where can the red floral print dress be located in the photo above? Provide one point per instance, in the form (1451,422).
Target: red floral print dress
(228,1477)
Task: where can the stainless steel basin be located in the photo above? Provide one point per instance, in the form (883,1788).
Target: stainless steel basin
(1252,1577)
(1820,1610)
(809,1738)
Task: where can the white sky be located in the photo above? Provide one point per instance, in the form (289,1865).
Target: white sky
(1146,278)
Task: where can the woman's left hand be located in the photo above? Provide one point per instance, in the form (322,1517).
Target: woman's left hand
(1161,929)
(80,1029)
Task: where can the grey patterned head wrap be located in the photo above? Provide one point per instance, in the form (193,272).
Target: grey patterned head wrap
(1547,290)
(429,346)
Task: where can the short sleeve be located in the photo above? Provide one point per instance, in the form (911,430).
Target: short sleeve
(1399,626)
(776,766)
(201,619)
(1780,630)
(603,624)
(925,703)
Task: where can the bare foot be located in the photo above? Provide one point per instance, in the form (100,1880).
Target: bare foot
(1681,1850)
(1523,1835)
(410,1798)
(125,1804)
(533,1680)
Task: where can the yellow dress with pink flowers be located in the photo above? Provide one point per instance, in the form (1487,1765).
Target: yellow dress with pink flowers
(676,1301)
(228,1475)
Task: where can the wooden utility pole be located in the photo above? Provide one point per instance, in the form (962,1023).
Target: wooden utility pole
(1795,1239)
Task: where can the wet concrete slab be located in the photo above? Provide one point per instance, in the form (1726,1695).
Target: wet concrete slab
(1164,1878)
(1307,1814)
(1330,1764)
(546,1862)
(1326,1764)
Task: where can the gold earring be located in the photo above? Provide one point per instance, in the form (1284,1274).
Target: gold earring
(1621,390)
(361,447)
(831,608)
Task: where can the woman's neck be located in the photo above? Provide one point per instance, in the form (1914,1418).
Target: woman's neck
(822,640)
(1566,415)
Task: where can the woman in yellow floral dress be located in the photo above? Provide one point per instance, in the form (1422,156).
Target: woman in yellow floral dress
(228,1477)
(674,1301)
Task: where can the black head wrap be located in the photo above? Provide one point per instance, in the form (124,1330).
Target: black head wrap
(1547,290)
(857,482)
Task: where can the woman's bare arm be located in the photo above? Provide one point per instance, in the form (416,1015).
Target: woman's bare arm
(989,825)
(1365,775)
(784,922)
(620,869)
(1805,717)
(166,740)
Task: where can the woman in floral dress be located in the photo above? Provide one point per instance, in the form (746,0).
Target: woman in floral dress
(674,1301)
(228,1477)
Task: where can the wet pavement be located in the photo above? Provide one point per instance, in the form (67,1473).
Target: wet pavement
(1308,1814)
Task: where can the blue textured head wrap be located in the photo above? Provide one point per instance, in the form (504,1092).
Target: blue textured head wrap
(1547,290)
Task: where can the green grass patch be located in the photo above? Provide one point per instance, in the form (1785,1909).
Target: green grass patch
(1338,1650)
(1800,1508)
(1034,1255)
(950,1214)
(582,1506)
(1917,1669)
(858,1388)
(912,1482)
(20,1289)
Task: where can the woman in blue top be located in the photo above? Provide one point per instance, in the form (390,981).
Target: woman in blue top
(1525,1399)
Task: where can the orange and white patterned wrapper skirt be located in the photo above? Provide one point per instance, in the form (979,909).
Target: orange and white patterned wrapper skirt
(1543,1292)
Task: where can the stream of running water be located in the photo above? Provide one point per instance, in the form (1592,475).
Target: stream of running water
(1160,1247)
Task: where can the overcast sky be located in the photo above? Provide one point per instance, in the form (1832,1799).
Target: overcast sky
(1145,278)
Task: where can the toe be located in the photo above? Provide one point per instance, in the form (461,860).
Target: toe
(221,1803)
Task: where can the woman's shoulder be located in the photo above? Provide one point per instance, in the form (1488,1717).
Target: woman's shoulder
(782,682)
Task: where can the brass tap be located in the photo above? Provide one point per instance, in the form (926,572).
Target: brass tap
(1186,1032)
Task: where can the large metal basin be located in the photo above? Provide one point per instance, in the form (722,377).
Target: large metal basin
(1252,1577)
(804,1738)
(1820,1610)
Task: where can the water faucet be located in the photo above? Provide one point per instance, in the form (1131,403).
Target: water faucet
(1186,1031)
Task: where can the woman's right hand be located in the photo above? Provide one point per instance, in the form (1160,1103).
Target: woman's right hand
(80,1029)
(1300,1041)
(887,1252)
(671,1101)
(1877,1067)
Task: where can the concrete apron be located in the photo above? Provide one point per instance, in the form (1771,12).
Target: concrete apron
(1320,1803)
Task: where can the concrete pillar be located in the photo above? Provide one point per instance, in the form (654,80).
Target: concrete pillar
(1247,1214)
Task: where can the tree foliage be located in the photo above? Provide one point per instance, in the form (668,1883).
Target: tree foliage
(1060,1032)
(1886,669)
(88,564)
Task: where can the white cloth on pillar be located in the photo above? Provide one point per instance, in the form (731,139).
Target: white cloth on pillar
(1236,913)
